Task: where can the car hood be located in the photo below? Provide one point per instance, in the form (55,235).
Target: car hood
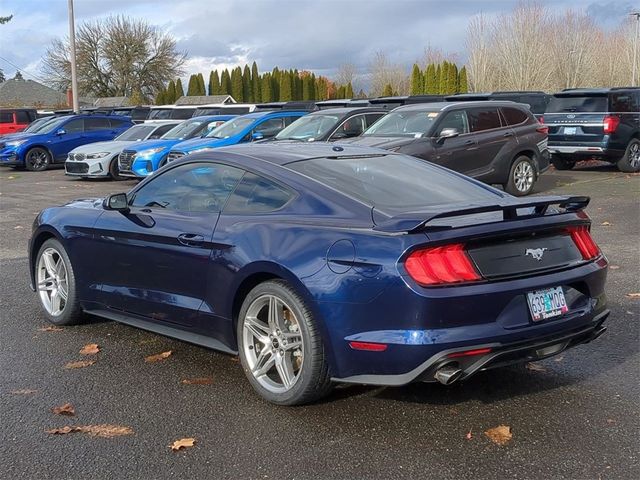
(196,143)
(85,203)
(380,142)
(112,146)
(12,137)
(147,144)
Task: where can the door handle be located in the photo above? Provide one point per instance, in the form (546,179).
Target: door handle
(190,239)
(469,142)
(508,134)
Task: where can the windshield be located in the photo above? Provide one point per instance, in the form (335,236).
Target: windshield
(185,130)
(52,126)
(230,128)
(309,128)
(37,124)
(160,113)
(392,183)
(577,104)
(407,123)
(135,133)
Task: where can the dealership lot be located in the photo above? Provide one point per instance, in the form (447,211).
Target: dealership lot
(575,416)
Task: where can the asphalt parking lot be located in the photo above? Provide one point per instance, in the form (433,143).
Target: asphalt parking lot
(572,416)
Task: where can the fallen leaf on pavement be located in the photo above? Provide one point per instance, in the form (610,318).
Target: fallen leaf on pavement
(105,431)
(558,359)
(50,328)
(66,409)
(606,224)
(79,364)
(24,391)
(500,435)
(198,381)
(235,359)
(535,367)
(633,295)
(614,267)
(182,443)
(158,357)
(18,227)
(90,349)
(469,435)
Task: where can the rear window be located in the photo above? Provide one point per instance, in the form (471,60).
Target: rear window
(577,104)
(514,116)
(392,182)
(483,119)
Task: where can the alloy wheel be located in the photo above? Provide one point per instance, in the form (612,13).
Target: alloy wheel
(634,155)
(52,281)
(273,344)
(523,176)
(38,159)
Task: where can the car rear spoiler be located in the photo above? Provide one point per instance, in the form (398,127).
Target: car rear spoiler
(414,221)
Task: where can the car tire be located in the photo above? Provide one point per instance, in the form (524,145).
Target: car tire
(291,367)
(37,159)
(522,177)
(562,163)
(630,161)
(56,284)
(114,170)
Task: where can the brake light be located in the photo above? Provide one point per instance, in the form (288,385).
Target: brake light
(368,346)
(610,124)
(543,129)
(582,238)
(469,353)
(438,265)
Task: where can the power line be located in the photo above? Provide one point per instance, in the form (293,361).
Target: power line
(22,70)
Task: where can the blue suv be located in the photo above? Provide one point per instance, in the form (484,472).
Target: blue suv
(53,142)
(247,128)
(146,157)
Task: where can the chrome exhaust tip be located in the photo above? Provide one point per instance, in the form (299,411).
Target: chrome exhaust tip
(448,374)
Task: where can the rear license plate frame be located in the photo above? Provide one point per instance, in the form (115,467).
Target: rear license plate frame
(547,303)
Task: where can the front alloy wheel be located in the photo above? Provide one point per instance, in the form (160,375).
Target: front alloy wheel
(37,159)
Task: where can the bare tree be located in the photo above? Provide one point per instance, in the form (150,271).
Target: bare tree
(481,66)
(383,73)
(117,56)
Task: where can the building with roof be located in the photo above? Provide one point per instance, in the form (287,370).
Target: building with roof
(205,99)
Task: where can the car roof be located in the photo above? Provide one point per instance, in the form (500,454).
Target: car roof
(272,113)
(204,118)
(348,110)
(442,106)
(568,92)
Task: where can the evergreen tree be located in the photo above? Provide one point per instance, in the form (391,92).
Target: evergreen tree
(214,83)
(417,81)
(285,87)
(202,90)
(307,87)
(452,79)
(179,91)
(192,88)
(225,83)
(388,90)
(275,84)
(348,91)
(161,96)
(430,80)
(255,83)
(247,86)
(341,92)
(437,77)
(313,88)
(237,91)
(296,85)
(170,93)
(463,86)
(266,91)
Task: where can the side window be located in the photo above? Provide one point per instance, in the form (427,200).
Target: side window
(289,120)
(483,119)
(118,123)
(514,116)
(372,118)
(256,194)
(74,126)
(22,117)
(270,128)
(622,102)
(6,117)
(195,188)
(162,130)
(456,119)
(92,124)
(352,127)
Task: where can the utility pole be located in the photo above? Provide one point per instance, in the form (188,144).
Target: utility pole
(72,44)
(635,50)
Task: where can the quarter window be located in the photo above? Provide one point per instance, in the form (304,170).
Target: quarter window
(483,119)
(624,102)
(256,194)
(514,116)
(193,187)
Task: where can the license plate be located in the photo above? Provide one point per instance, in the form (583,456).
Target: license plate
(570,130)
(547,303)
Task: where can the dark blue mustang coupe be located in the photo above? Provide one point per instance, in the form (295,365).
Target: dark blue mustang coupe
(321,263)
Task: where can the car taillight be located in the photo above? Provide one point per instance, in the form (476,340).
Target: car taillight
(610,124)
(582,238)
(543,129)
(439,265)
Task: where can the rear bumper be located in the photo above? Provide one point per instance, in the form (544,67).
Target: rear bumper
(586,150)
(500,354)
(570,149)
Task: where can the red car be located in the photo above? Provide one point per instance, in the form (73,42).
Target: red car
(13,120)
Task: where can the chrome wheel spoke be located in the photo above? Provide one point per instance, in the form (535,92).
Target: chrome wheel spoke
(264,362)
(56,302)
(258,329)
(49,263)
(285,370)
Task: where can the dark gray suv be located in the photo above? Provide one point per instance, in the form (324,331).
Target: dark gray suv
(497,142)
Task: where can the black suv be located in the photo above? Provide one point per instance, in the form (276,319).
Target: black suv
(331,124)
(536,100)
(495,142)
(601,123)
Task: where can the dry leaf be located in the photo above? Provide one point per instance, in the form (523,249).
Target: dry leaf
(80,364)
(18,227)
(558,359)
(235,359)
(182,443)
(24,391)
(633,295)
(50,328)
(606,224)
(66,409)
(469,435)
(500,435)
(158,357)
(198,381)
(614,267)
(105,431)
(90,349)
(535,367)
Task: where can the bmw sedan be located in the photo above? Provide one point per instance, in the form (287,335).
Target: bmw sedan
(319,263)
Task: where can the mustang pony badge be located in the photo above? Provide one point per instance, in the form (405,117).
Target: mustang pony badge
(536,253)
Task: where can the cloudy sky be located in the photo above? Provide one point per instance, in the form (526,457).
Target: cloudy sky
(316,35)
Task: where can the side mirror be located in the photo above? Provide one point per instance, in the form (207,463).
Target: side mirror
(117,201)
(257,136)
(61,131)
(447,133)
(339,135)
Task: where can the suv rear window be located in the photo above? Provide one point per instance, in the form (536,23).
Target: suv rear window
(514,116)
(573,103)
(392,182)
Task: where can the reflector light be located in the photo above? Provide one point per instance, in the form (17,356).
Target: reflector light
(470,353)
(438,265)
(610,124)
(582,238)
(368,346)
